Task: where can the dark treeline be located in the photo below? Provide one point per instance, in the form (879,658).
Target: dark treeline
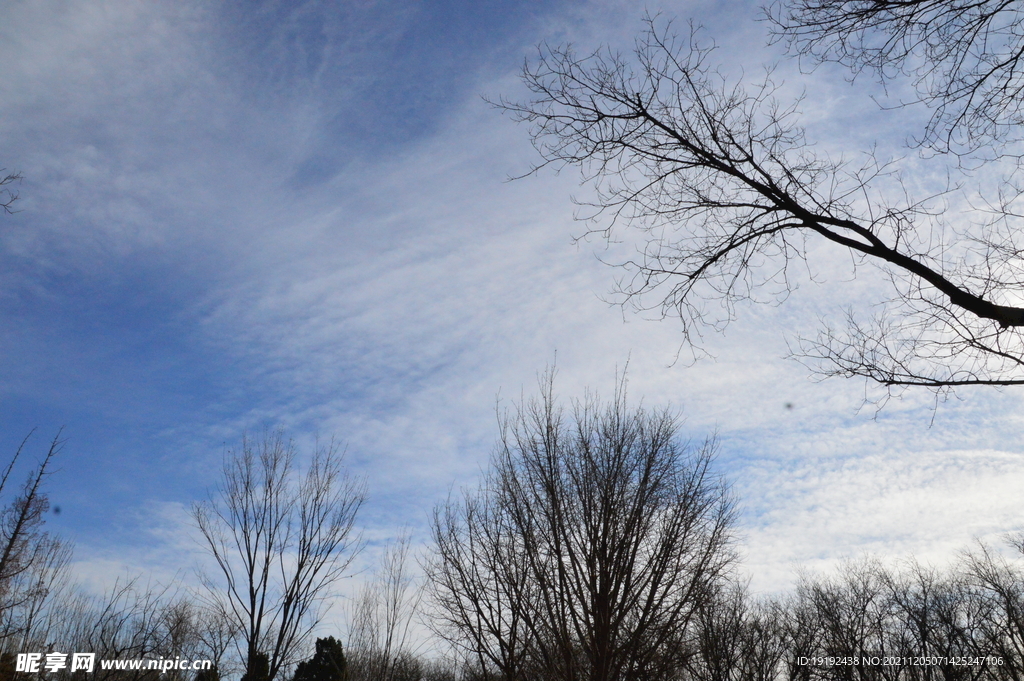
(599,546)
(909,623)
(869,621)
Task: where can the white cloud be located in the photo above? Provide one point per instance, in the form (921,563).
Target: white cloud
(395,303)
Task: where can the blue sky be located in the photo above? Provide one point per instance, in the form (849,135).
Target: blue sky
(297,215)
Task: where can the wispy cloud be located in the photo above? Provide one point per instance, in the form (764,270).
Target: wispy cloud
(299,217)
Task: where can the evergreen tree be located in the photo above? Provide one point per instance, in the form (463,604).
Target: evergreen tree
(258,668)
(7,672)
(327,664)
(212,674)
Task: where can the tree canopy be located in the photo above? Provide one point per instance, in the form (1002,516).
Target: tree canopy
(588,550)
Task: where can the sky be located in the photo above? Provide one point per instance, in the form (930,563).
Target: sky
(299,215)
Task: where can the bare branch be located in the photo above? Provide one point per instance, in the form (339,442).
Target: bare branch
(727,193)
(963,56)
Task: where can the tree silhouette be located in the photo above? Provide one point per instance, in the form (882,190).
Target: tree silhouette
(588,549)
(327,664)
(211,674)
(729,195)
(257,668)
(965,57)
(280,543)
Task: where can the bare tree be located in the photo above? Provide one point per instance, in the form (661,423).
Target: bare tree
(280,544)
(380,646)
(32,563)
(738,639)
(587,550)
(995,589)
(35,596)
(21,520)
(729,194)
(217,633)
(131,619)
(963,56)
(960,624)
